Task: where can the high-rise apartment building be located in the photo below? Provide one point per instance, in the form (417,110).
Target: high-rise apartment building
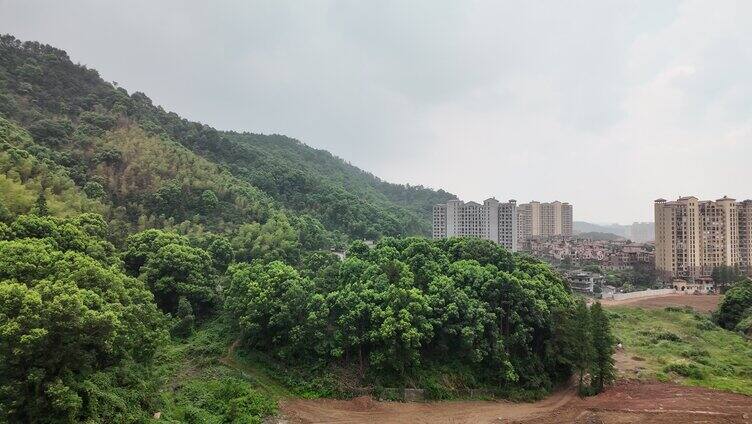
(692,237)
(744,210)
(536,219)
(492,220)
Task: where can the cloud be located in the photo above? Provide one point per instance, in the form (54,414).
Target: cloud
(604,104)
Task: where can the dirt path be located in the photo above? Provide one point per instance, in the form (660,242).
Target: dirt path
(261,380)
(625,402)
(700,303)
(366,410)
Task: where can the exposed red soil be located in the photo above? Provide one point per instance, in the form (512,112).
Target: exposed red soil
(625,402)
(700,303)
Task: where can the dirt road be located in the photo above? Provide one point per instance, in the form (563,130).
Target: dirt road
(366,410)
(700,303)
(625,402)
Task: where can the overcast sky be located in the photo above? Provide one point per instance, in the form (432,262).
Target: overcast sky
(607,105)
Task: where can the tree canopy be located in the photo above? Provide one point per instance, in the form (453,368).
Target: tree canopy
(404,304)
(66,312)
(736,306)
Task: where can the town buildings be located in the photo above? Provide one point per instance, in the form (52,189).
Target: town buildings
(536,219)
(612,255)
(692,237)
(641,232)
(492,220)
(505,223)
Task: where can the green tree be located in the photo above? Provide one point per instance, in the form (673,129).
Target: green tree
(573,342)
(724,276)
(94,190)
(276,309)
(185,318)
(140,247)
(602,371)
(311,233)
(209,201)
(64,316)
(735,305)
(276,239)
(582,342)
(5,215)
(40,206)
(176,271)
(52,132)
(221,253)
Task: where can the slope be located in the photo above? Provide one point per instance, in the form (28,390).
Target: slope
(69,110)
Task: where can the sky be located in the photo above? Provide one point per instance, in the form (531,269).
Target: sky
(605,104)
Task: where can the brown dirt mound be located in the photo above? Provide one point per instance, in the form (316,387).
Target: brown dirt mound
(625,402)
(363,403)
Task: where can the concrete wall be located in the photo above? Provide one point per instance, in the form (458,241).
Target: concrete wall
(639,294)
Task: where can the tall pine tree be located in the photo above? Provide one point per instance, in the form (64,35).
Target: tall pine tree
(583,341)
(40,206)
(602,371)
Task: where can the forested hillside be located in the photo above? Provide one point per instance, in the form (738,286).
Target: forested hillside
(119,144)
(150,267)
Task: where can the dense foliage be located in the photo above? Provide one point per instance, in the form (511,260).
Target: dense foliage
(408,304)
(724,276)
(735,310)
(67,312)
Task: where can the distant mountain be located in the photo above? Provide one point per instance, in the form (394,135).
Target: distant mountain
(594,235)
(640,232)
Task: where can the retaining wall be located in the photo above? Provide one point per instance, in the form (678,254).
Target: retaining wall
(639,294)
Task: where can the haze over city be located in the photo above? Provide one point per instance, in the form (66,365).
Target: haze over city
(606,105)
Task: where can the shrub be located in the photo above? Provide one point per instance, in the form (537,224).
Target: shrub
(668,336)
(685,370)
(745,325)
(737,301)
(698,355)
(681,309)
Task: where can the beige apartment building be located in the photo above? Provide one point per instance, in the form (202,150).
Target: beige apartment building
(536,219)
(492,220)
(692,237)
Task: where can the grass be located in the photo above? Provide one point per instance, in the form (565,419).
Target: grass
(197,387)
(254,370)
(683,346)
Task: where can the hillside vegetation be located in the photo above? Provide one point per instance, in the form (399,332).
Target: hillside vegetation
(95,132)
(679,344)
(152,266)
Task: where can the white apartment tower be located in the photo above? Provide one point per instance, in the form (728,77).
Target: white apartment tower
(692,237)
(536,219)
(492,220)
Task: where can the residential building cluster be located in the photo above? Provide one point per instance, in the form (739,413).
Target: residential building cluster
(538,219)
(493,220)
(693,237)
(507,223)
(608,254)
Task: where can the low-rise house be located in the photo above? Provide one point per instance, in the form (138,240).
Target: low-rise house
(584,282)
(698,286)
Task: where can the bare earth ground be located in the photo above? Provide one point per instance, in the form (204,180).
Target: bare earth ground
(628,401)
(625,402)
(700,303)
